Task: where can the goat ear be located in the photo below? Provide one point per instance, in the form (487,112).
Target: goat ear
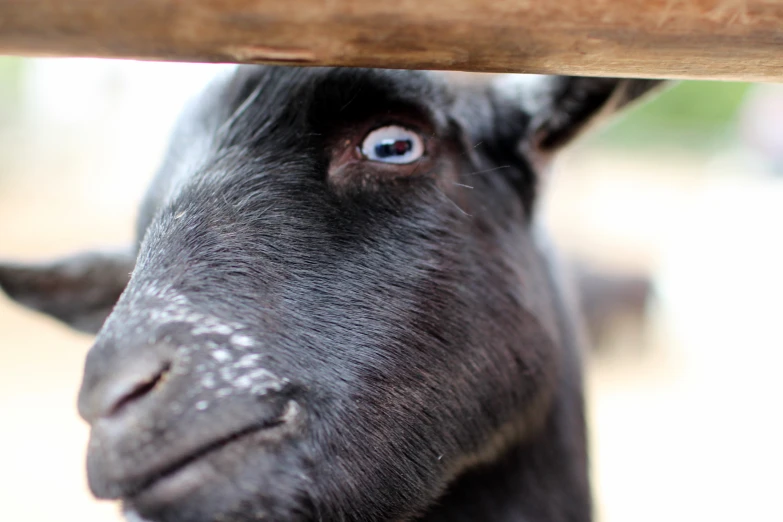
(560,107)
(80,290)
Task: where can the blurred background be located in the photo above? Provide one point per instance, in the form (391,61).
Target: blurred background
(670,219)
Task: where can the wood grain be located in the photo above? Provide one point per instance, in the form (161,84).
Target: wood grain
(717,39)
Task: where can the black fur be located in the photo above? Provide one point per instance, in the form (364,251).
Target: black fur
(413,322)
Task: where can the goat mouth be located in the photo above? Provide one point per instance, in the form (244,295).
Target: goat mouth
(189,473)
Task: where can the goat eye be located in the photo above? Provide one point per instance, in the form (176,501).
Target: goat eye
(393,144)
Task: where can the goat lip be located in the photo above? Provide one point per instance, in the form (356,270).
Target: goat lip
(172,480)
(179,478)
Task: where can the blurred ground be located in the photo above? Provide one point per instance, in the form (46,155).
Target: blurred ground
(684,411)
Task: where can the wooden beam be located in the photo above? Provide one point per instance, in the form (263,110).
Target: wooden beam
(717,39)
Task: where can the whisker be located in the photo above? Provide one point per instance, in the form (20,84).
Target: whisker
(488,170)
(474,146)
(358,91)
(413,172)
(240,110)
(452,202)
(462,185)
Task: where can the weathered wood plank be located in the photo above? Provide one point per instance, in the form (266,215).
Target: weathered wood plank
(719,39)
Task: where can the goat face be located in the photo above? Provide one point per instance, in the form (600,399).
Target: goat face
(338,305)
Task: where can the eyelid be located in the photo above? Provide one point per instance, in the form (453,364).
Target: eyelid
(349,170)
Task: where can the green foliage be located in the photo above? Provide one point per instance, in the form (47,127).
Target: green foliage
(10,84)
(693,114)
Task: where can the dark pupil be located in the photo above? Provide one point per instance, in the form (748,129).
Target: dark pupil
(388,148)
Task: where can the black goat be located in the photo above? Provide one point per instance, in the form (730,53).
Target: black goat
(340,307)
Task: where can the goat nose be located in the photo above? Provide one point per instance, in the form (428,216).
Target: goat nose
(113,390)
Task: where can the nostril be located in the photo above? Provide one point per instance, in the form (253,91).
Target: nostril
(114,381)
(139,390)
